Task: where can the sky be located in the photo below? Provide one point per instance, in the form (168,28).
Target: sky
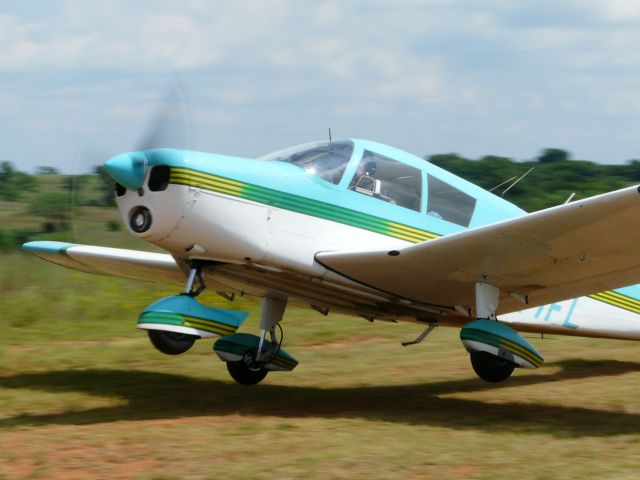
(81,81)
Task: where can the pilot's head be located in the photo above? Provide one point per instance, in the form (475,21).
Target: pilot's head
(369,167)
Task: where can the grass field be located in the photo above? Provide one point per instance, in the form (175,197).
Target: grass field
(83,394)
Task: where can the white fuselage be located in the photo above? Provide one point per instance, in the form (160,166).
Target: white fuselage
(197,224)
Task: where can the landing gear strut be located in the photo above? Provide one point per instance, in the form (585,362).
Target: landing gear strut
(194,273)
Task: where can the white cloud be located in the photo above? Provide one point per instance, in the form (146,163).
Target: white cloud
(145,35)
(261,67)
(622,11)
(326,13)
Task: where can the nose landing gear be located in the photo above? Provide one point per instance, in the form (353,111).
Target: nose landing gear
(250,357)
(247,371)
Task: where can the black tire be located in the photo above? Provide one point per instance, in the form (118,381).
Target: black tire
(244,375)
(171,343)
(491,368)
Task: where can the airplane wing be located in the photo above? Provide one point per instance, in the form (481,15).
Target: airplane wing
(563,252)
(135,264)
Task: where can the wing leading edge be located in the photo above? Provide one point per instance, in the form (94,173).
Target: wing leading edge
(562,252)
(138,265)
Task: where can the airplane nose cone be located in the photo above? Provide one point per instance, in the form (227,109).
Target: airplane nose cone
(128,169)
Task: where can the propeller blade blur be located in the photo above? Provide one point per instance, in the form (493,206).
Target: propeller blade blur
(170,126)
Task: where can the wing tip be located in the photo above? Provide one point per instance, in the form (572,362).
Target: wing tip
(47,247)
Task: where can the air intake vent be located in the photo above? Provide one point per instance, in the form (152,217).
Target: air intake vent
(159,178)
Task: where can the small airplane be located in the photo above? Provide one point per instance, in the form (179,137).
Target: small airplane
(361,228)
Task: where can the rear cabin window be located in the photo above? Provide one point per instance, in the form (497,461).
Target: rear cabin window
(388,180)
(449,203)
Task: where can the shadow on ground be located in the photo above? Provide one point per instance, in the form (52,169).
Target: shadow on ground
(150,395)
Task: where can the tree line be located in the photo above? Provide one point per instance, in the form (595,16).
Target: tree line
(555,176)
(54,202)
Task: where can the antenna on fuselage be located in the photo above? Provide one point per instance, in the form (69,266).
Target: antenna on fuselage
(500,184)
(516,181)
(329,133)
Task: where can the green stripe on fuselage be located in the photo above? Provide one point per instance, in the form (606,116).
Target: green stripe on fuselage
(299,204)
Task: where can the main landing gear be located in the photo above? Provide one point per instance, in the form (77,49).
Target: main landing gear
(491,368)
(171,337)
(495,349)
(171,343)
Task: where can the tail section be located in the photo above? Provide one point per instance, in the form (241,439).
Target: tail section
(608,314)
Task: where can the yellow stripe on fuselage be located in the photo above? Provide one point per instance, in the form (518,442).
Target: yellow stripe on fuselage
(213,183)
(618,300)
(186,173)
(632,302)
(405,229)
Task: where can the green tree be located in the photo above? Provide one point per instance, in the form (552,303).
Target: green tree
(9,190)
(106,188)
(5,240)
(54,207)
(13,184)
(44,170)
(553,155)
(633,170)
(553,179)
(75,185)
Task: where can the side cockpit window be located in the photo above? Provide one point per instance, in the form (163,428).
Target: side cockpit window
(327,160)
(389,180)
(449,203)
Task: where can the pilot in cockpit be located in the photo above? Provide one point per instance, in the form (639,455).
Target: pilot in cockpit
(367,180)
(366,170)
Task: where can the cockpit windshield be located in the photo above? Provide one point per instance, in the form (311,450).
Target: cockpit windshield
(327,160)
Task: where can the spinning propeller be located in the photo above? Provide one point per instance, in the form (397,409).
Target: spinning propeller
(169,127)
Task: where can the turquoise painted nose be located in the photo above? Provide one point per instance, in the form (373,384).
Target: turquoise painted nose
(128,169)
